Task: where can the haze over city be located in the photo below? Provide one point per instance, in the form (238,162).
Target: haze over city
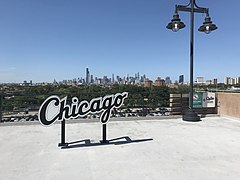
(46,40)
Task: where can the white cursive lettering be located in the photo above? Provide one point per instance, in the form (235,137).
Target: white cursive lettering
(55,109)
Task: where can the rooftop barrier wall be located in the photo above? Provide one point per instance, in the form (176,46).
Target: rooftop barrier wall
(229,104)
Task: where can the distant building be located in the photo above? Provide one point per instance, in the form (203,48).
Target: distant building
(214,81)
(226,80)
(208,82)
(168,80)
(237,80)
(98,81)
(25,83)
(159,82)
(231,81)
(175,85)
(200,80)
(181,79)
(87,76)
(92,79)
(148,83)
(55,82)
(113,78)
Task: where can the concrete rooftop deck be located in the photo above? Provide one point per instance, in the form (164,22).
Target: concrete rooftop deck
(167,149)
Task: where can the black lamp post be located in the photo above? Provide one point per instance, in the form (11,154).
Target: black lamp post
(207,27)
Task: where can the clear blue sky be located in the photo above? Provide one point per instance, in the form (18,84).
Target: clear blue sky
(43,40)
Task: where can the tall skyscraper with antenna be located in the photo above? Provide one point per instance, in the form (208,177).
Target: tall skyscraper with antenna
(87,76)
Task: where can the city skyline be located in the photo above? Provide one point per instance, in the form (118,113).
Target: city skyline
(46,40)
(137,79)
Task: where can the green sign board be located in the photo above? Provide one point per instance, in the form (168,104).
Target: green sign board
(204,100)
(197,100)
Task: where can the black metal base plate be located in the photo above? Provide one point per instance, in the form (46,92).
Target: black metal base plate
(104,142)
(191,116)
(62,144)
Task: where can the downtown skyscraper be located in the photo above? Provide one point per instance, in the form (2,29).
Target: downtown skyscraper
(88,77)
(181,79)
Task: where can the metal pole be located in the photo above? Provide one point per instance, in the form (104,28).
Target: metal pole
(62,143)
(190,115)
(104,134)
(191,55)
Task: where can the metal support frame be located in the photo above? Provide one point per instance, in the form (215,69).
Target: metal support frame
(63,134)
(195,10)
(104,134)
(63,143)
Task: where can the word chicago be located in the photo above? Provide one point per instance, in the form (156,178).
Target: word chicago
(55,109)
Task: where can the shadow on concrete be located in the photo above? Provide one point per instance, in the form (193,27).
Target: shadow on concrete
(116,141)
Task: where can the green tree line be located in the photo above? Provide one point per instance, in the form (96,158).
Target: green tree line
(31,97)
